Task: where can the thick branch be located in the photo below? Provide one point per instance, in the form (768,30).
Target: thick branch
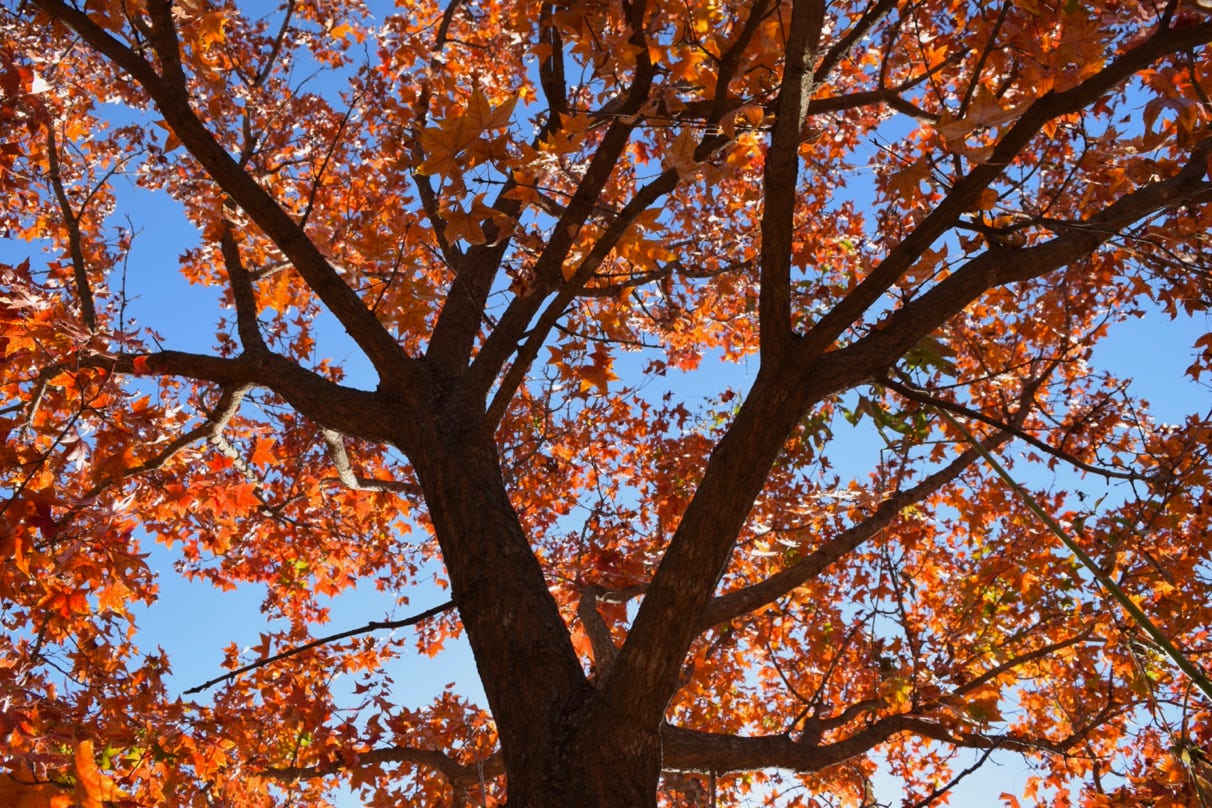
(515,321)
(345,471)
(997,266)
(551,69)
(600,639)
(637,689)
(461,314)
(730,62)
(344,409)
(781,175)
(668,619)
(694,750)
(489,361)
(71,222)
(243,294)
(461,777)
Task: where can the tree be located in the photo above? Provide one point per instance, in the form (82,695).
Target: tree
(536,223)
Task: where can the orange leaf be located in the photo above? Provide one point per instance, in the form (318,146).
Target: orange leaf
(16,793)
(90,785)
(264,452)
(907,183)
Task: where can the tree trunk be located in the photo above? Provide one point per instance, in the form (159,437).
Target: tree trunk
(606,777)
(536,687)
(558,750)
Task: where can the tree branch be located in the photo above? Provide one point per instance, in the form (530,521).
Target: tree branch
(490,359)
(71,222)
(997,266)
(1021,659)
(225,409)
(733,604)
(695,750)
(870,17)
(171,96)
(345,473)
(344,409)
(604,650)
(924,397)
(962,195)
(373,625)
(780,178)
(460,318)
(243,294)
(462,777)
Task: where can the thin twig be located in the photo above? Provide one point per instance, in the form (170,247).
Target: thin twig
(923,397)
(373,625)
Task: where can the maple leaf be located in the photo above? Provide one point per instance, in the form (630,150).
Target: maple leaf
(212,27)
(598,373)
(985,110)
(680,156)
(466,225)
(264,452)
(171,141)
(443,144)
(906,183)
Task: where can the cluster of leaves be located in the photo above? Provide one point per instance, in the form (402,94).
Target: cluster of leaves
(563,237)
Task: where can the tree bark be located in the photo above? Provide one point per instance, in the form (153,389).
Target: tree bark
(530,672)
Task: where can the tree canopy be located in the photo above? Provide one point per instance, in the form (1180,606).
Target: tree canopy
(610,282)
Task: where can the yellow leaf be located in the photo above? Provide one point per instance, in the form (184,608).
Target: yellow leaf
(211,27)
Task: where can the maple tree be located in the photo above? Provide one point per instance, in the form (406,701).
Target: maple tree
(538,224)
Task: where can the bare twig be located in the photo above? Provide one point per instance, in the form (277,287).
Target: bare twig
(373,625)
